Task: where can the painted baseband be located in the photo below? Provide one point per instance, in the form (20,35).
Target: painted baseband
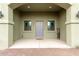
(71,22)
(6,22)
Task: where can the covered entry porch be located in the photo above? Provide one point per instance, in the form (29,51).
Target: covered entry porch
(23,18)
(39,25)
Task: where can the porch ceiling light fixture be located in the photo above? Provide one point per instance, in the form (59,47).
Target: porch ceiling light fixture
(77,15)
(1,15)
(50,7)
(28,6)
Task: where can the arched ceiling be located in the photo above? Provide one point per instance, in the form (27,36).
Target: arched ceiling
(40,6)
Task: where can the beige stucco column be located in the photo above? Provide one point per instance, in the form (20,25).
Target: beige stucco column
(72,26)
(6,26)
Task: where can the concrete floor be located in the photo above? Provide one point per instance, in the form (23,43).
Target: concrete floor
(45,43)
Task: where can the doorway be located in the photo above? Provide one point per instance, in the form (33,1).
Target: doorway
(39,30)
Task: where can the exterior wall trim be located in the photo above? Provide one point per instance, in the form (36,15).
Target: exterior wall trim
(11,23)
(75,22)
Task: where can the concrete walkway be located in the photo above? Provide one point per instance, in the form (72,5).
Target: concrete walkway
(40,52)
(45,43)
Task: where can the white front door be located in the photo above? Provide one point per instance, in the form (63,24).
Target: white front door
(39,29)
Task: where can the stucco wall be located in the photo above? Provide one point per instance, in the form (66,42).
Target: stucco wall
(62,20)
(59,18)
(16,31)
(6,26)
(35,17)
(74,24)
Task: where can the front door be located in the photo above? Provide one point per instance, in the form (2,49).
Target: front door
(39,29)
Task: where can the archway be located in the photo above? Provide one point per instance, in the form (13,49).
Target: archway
(62,15)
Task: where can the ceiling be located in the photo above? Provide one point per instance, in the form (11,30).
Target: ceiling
(41,7)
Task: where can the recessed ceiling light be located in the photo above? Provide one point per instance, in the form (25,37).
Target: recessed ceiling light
(28,6)
(50,6)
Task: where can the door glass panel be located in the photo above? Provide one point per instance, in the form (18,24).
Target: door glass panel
(39,29)
(27,25)
(51,25)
